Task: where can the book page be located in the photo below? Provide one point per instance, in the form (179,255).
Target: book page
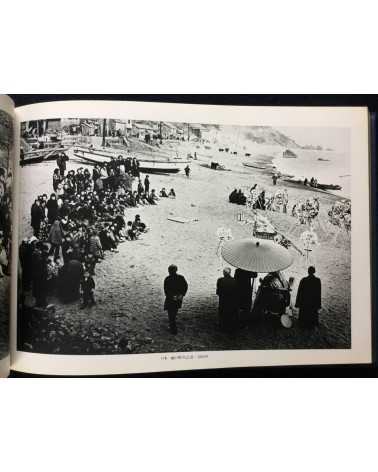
(7,137)
(158,237)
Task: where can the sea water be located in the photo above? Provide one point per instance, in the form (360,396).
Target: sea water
(327,167)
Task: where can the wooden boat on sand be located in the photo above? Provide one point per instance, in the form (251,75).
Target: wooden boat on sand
(39,155)
(318,186)
(150,166)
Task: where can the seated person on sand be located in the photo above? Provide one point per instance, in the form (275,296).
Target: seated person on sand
(172,193)
(132,232)
(143,199)
(273,294)
(260,203)
(119,225)
(139,225)
(108,242)
(163,193)
(240,198)
(134,199)
(232,196)
(153,198)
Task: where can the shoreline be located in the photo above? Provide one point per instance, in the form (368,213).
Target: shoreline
(277,163)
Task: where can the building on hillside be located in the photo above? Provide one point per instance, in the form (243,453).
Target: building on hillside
(71,126)
(91,127)
(119,127)
(39,128)
(168,130)
(144,131)
(197,130)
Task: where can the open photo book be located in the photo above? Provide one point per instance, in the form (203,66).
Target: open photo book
(149,237)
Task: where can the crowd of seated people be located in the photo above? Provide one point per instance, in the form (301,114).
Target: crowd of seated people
(163,193)
(238,197)
(76,226)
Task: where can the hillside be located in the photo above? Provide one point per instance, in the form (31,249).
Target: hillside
(256,134)
(268,135)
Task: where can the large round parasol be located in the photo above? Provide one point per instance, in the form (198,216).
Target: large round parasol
(256,255)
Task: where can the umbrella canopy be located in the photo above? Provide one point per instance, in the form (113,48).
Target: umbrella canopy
(256,255)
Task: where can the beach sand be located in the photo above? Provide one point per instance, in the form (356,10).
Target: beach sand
(129,314)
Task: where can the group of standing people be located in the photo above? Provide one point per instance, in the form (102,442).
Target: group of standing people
(235,295)
(273,295)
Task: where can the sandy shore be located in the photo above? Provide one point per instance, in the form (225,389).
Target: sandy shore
(129,315)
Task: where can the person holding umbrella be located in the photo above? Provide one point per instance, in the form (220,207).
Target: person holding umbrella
(262,257)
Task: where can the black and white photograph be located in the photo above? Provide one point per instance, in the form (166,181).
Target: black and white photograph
(140,236)
(6,147)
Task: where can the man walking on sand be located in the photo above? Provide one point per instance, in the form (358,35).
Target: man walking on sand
(175,289)
(187,171)
(309,299)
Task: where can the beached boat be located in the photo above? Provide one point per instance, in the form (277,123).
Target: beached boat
(101,155)
(247,164)
(39,155)
(318,186)
(329,187)
(323,160)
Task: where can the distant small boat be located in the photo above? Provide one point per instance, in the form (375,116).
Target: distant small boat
(318,187)
(247,164)
(323,160)
(328,187)
(100,156)
(289,154)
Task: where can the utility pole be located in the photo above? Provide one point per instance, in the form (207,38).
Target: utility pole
(104,133)
(188,131)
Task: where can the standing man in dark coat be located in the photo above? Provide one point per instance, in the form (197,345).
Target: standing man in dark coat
(39,282)
(309,299)
(61,163)
(147,184)
(227,292)
(243,282)
(175,289)
(37,216)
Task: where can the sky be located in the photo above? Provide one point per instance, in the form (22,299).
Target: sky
(335,138)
